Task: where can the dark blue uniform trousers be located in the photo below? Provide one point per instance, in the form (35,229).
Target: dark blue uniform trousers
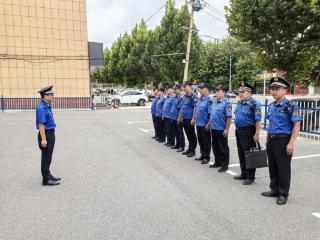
(279,165)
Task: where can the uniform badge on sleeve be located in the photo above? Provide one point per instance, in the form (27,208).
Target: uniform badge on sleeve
(258,112)
(296,112)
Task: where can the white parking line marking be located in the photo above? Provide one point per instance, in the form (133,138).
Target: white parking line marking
(138,122)
(234,165)
(143,130)
(231,173)
(316,214)
(306,156)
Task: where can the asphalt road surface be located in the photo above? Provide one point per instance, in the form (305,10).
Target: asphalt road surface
(118,183)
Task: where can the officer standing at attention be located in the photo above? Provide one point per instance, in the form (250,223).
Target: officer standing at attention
(46,138)
(248,123)
(185,116)
(200,118)
(175,110)
(160,123)
(167,118)
(154,111)
(220,121)
(284,125)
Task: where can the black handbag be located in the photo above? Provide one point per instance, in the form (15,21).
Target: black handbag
(256,157)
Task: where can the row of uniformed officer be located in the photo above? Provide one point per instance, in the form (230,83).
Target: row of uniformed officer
(214,115)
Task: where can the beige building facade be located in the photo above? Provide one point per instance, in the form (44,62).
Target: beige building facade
(43,42)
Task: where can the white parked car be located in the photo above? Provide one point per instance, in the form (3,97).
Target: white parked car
(128,97)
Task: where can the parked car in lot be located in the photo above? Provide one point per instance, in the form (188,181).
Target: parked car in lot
(232,94)
(127,97)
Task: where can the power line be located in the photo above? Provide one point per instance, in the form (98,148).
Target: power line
(156,12)
(216,9)
(214,16)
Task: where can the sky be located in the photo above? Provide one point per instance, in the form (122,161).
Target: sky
(107,19)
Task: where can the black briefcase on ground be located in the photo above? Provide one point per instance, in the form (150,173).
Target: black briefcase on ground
(256,157)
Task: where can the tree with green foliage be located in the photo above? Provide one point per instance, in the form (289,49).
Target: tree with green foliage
(172,37)
(215,63)
(286,34)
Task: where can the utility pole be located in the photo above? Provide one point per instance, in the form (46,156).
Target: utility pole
(186,66)
(230,73)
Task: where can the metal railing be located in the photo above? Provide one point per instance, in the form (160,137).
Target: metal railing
(310,111)
(31,103)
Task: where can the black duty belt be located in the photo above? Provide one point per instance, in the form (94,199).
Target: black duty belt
(245,128)
(275,136)
(50,130)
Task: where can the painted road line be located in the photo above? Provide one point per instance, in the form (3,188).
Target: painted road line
(234,165)
(231,173)
(138,122)
(300,157)
(143,130)
(316,214)
(306,156)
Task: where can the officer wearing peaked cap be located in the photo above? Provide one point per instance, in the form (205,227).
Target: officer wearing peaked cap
(220,121)
(284,124)
(248,123)
(46,138)
(177,127)
(185,116)
(201,117)
(154,111)
(167,116)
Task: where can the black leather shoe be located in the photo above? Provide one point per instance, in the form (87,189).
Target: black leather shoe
(174,147)
(161,141)
(56,179)
(239,177)
(215,166)
(180,150)
(223,169)
(282,200)
(186,152)
(270,194)
(50,182)
(199,158)
(191,154)
(153,137)
(248,182)
(167,144)
(205,161)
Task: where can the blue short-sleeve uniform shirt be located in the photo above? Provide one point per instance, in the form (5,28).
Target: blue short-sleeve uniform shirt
(221,110)
(281,116)
(44,115)
(159,106)
(176,106)
(203,108)
(247,113)
(167,106)
(154,106)
(188,104)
